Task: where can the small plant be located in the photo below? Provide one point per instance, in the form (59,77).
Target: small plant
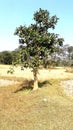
(11,70)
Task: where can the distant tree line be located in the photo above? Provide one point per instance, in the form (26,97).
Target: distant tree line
(62,56)
(8,57)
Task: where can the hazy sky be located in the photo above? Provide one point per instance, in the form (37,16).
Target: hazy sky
(14,13)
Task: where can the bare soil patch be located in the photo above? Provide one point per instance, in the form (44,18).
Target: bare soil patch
(68,87)
(6,82)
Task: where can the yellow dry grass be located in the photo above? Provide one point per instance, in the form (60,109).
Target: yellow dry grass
(55,73)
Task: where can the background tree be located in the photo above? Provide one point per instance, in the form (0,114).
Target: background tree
(36,42)
(70,54)
(5,57)
(1,58)
(15,56)
(67,55)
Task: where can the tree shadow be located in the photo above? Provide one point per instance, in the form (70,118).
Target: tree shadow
(25,85)
(42,84)
(28,85)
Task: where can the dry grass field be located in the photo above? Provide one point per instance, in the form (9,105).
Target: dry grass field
(54,73)
(48,108)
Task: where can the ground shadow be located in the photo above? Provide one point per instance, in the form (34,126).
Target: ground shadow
(28,85)
(25,85)
(41,84)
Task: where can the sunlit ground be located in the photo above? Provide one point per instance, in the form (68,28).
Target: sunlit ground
(48,108)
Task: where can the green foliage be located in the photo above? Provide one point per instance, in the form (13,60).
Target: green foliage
(15,56)
(5,57)
(11,70)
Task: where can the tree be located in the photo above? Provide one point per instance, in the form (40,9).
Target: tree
(36,42)
(1,58)
(15,56)
(70,51)
(5,57)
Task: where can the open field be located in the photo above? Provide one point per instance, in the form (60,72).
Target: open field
(55,73)
(48,108)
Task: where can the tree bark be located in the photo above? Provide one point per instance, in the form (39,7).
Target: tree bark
(35,85)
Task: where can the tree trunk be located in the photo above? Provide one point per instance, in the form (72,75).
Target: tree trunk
(35,85)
